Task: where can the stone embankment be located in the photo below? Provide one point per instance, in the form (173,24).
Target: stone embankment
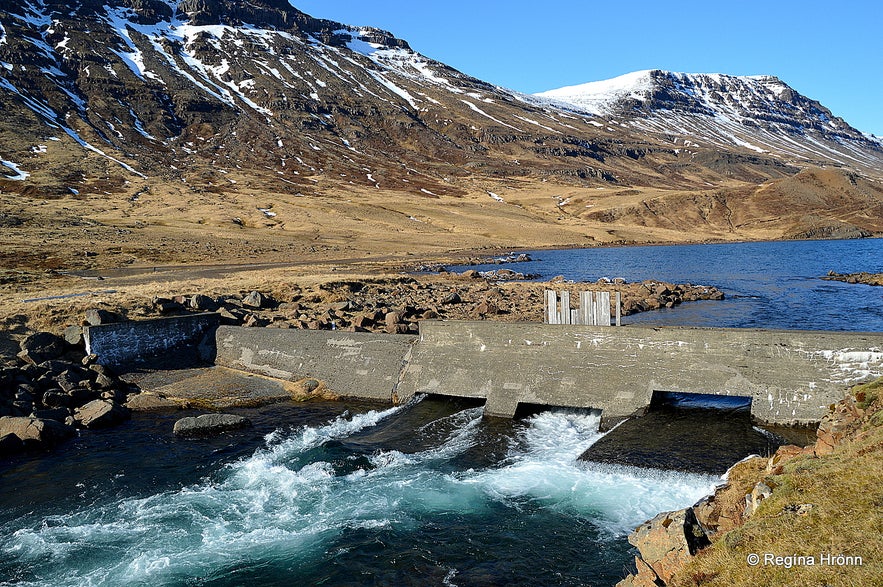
(396,305)
(54,390)
(672,540)
(863,277)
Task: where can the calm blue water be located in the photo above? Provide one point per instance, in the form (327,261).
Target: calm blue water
(768,284)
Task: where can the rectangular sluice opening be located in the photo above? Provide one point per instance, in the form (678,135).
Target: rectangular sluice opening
(699,401)
(526,410)
(459,400)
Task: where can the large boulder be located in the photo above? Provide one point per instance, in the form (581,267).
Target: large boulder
(210,424)
(101,413)
(97,316)
(256,299)
(35,430)
(836,425)
(40,347)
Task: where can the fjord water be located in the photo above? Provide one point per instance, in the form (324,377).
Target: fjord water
(767,284)
(340,495)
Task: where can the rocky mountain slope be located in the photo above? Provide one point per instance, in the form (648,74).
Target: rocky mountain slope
(759,113)
(144,131)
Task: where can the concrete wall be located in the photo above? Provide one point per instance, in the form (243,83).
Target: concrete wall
(127,343)
(353,364)
(791,376)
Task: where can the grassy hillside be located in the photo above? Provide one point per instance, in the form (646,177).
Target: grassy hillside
(820,506)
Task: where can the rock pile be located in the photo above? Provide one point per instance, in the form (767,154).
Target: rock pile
(671,539)
(863,277)
(395,305)
(54,390)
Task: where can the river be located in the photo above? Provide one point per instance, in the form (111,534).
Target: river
(430,493)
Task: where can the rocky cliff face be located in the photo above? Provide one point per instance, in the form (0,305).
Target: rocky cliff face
(153,86)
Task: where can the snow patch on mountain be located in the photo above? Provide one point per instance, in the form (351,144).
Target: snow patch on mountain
(599,98)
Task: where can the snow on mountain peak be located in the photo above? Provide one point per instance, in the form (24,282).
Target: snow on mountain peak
(596,97)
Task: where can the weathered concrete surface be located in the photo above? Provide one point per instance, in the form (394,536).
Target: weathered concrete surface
(791,376)
(215,388)
(127,343)
(349,363)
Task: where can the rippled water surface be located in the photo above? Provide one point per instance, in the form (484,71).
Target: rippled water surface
(431,493)
(767,284)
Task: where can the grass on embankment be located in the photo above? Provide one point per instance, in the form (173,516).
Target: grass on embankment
(845,490)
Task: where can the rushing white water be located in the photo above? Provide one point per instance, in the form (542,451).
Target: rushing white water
(291,499)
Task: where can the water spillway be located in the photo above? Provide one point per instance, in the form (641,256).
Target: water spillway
(340,498)
(790,376)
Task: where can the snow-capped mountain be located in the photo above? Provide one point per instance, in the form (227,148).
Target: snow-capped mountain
(166,109)
(760,113)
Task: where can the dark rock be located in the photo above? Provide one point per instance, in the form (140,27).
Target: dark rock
(56,366)
(210,424)
(10,444)
(169,307)
(203,303)
(228,318)
(485,308)
(310,385)
(80,396)
(105,382)
(40,347)
(20,408)
(252,320)
(69,380)
(57,399)
(57,414)
(24,394)
(393,318)
(362,321)
(256,299)
(453,298)
(100,369)
(101,414)
(73,335)
(97,316)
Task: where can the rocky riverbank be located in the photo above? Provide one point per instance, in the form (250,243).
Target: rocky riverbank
(395,305)
(793,504)
(51,388)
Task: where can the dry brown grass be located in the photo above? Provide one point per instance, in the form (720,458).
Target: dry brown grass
(845,490)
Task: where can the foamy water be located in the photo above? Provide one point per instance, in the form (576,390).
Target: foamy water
(304,497)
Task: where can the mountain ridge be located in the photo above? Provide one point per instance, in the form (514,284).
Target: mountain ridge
(256,122)
(665,101)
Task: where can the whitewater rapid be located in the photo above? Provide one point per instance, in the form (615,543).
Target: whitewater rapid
(295,497)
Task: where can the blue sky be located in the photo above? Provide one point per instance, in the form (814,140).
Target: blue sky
(829,51)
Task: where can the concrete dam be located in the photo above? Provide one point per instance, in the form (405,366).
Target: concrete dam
(791,377)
